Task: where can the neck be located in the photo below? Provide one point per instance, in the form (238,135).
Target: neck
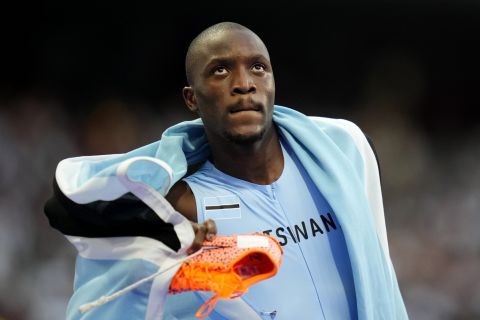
(260,162)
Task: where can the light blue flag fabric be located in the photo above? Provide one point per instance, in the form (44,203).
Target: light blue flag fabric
(335,154)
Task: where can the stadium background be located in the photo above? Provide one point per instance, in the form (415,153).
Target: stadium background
(78,79)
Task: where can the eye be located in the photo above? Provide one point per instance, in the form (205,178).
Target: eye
(259,67)
(219,70)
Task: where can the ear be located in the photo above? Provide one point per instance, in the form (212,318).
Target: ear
(189,98)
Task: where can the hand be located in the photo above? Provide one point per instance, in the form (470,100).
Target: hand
(204,231)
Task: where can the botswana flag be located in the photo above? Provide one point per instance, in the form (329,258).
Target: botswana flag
(112,209)
(130,241)
(125,232)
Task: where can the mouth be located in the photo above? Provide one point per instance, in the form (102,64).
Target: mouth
(245,106)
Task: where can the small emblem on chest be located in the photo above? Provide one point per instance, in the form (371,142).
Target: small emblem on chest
(222,207)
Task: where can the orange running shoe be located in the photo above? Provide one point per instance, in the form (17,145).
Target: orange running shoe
(228,266)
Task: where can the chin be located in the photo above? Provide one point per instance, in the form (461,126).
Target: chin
(245,139)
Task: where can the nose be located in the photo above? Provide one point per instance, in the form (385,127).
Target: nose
(243,83)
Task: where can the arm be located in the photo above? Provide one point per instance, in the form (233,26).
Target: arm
(182,199)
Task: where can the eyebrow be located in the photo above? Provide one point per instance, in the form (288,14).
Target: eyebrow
(228,61)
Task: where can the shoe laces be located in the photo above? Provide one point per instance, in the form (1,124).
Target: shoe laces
(205,277)
(105,299)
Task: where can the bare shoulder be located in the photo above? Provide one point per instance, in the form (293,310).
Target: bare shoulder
(182,199)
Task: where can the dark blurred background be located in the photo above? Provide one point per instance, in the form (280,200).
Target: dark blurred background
(79,79)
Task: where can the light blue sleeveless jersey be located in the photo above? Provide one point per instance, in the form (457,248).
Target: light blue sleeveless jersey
(315,279)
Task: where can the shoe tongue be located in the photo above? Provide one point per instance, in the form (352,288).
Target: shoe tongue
(251,241)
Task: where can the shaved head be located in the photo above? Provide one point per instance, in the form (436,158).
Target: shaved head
(231,85)
(199,41)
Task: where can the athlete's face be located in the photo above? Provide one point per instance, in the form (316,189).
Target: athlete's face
(232,87)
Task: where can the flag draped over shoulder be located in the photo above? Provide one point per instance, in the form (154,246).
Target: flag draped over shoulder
(112,209)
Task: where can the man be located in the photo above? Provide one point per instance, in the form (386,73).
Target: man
(313,183)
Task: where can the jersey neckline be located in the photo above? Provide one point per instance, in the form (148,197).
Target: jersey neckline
(208,165)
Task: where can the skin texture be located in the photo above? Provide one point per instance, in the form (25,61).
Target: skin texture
(232,88)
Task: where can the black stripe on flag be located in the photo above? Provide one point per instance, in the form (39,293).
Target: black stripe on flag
(223,206)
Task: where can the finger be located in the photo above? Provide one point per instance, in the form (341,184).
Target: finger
(200,231)
(194,226)
(210,229)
